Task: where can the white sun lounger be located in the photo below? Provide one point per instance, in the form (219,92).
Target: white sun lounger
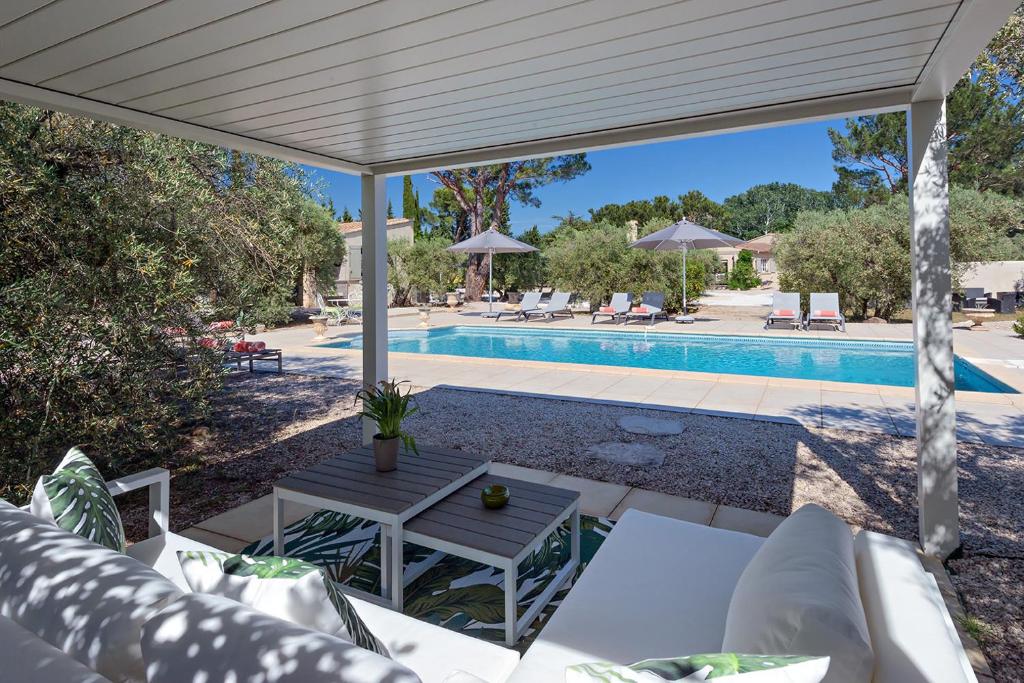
(527,305)
(621,301)
(654,303)
(559,305)
(785,309)
(824,310)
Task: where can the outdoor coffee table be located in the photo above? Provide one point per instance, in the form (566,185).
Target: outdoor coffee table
(460,525)
(350,484)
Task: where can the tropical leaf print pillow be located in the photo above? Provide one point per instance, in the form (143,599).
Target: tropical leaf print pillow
(722,667)
(76,499)
(282,587)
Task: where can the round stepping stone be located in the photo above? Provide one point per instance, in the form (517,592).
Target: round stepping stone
(627,453)
(650,426)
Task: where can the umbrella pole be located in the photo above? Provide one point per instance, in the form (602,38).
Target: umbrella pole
(684,279)
(490,281)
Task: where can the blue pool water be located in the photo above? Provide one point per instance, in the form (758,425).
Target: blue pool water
(864,362)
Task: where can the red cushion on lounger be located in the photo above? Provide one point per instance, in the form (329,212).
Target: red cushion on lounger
(825,314)
(257,346)
(240,346)
(640,309)
(607,309)
(783,313)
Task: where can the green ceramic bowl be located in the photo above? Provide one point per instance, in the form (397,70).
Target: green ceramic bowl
(495,496)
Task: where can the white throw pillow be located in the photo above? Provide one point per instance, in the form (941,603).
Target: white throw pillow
(725,666)
(76,499)
(205,638)
(286,588)
(799,595)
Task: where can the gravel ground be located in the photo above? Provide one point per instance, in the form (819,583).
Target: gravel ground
(267,425)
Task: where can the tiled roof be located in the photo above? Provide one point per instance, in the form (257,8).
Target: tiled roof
(356,226)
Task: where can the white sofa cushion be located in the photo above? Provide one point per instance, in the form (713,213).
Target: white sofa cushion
(76,499)
(658,587)
(161,553)
(33,660)
(912,635)
(84,599)
(283,587)
(434,652)
(799,595)
(720,666)
(205,638)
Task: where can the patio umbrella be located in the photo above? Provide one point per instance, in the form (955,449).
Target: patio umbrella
(491,242)
(683,236)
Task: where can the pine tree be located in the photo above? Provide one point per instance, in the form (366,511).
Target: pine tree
(391,211)
(346,216)
(411,205)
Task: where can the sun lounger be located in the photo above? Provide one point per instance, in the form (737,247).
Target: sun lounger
(619,307)
(785,310)
(651,307)
(335,314)
(528,306)
(824,310)
(559,305)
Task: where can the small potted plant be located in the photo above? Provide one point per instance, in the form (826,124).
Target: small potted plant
(386,405)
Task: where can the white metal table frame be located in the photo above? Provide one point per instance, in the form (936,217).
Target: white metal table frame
(515,626)
(392,538)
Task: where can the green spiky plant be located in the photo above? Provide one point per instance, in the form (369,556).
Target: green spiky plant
(386,405)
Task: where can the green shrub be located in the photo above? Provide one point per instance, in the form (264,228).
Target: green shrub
(743,275)
(110,237)
(1018,325)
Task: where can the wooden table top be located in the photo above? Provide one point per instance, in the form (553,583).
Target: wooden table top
(352,479)
(462,519)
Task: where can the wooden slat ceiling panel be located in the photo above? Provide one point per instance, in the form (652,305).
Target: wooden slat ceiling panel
(373,81)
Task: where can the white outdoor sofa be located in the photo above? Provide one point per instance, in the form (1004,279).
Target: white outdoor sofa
(658,587)
(64,598)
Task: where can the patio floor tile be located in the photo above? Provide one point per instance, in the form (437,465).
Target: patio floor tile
(522,473)
(856,411)
(597,498)
(738,400)
(689,510)
(680,393)
(790,405)
(746,521)
(253,520)
(218,541)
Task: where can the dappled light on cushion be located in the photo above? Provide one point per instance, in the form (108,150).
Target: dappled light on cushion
(205,638)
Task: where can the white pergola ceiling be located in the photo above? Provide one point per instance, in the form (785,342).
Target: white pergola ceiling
(398,85)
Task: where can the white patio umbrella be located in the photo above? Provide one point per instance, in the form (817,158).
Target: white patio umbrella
(683,236)
(491,242)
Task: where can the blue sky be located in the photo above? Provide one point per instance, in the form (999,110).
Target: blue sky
(718,166)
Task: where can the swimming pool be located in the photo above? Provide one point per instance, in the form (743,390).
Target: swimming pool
(867,362)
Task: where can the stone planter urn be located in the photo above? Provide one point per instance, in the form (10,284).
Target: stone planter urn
(453,300)
(424,316)
(385,452)
(319,327)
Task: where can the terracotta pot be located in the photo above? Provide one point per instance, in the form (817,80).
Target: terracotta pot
(385,452)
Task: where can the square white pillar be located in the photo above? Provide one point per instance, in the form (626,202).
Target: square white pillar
(375,287)
(938,504)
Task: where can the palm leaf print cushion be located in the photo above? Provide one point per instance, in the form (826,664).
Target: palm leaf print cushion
(282,587)
(76,499)
(719,667)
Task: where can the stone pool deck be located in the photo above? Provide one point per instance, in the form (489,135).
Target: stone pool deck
(995,419)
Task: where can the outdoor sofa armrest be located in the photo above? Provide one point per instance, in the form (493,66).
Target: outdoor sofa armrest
(158,480)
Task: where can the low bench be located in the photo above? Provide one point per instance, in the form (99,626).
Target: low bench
(239,357)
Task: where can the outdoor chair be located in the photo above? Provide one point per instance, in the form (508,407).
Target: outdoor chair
(974,297)
(335,314)
(652,306)
(528,306)
(559,305)
(785,310)
(618,308)
(824,310)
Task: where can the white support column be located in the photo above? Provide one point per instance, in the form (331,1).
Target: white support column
(375,287)
(938,506)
